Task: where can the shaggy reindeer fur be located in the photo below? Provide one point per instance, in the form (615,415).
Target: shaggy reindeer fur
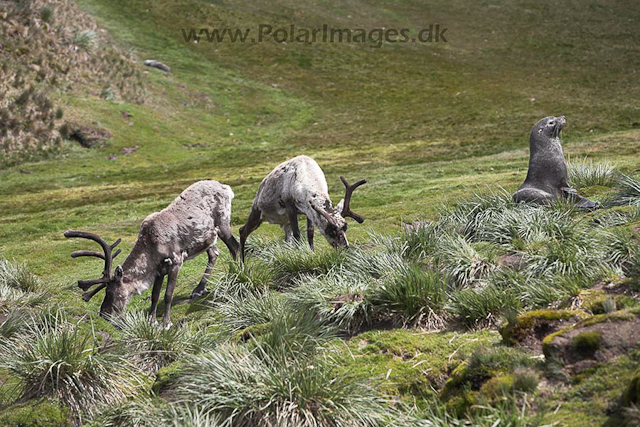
(187,227)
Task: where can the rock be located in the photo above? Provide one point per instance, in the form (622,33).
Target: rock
(87,136)
(157,64)
(130,150)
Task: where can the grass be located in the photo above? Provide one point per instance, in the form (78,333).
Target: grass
(253,388)
(414,298)
(52,357)
(584,173)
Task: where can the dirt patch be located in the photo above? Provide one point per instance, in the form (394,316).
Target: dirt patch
(584,347)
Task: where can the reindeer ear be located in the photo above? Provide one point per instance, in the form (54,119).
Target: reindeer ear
(118,273)
(339,206)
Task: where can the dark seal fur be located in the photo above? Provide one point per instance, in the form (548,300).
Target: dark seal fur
(547,175)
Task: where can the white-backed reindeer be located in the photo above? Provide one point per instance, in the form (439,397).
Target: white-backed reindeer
(298,187)
(187,227)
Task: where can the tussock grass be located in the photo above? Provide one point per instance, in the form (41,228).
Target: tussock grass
(11,325)
(340,299)
(242,279)
(17,276)
(153,347)
(85,39)
(484,306)
(237,312)
(53,357)
(628,192)
(467,216)
(18,287)
(584,173)
(376,264)
(291,260)
(246,388)
(413,297)
(459,260)
(418,241)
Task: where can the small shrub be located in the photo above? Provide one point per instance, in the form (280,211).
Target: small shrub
(46,14)
(85,39)
(584,173)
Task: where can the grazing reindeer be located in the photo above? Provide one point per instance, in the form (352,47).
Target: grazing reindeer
(187,227)
(298,187)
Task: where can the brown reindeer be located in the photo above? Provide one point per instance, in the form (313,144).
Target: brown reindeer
(187,227)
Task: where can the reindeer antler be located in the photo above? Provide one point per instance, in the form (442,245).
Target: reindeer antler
(346,211)
(107,256)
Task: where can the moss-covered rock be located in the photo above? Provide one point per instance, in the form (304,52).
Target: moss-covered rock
(165,376)
(587,343)
(486,375)
(411,363)
(598,301)
(253,331)
(35,413)
(530,328)
(497,387)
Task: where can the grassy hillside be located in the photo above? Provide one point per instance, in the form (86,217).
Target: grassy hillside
(425,124)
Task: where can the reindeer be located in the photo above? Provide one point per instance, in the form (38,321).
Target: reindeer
(298,187)
(187,227)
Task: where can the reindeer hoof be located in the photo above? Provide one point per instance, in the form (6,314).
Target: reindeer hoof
(198,292)
(167,325)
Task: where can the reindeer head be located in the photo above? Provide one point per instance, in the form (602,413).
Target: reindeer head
(336,225)
(116,295)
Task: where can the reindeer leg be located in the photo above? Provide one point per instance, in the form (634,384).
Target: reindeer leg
(293,222)
(155,296)
(252,223)
(212,253)
(310,232)
(168,296)
(226,235)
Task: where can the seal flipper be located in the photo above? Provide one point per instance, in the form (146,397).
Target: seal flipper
(572,195)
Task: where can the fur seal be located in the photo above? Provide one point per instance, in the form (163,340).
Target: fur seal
(547,175)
